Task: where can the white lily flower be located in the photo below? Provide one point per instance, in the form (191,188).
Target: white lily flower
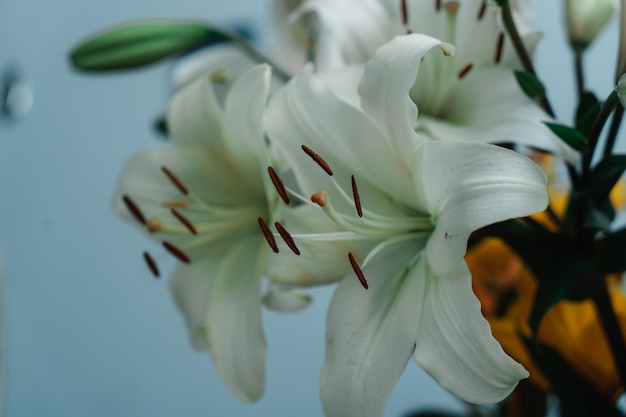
(586,18)
(419,201)
(202,199)
(471,96)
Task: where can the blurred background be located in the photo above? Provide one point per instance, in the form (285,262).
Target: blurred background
(85,329)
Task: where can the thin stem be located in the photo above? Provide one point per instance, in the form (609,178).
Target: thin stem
(605,111)
(520,48)
(608,319)
(612,136)
(580,74)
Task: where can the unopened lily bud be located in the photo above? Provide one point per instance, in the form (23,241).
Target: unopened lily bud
(620,89)
(586,18)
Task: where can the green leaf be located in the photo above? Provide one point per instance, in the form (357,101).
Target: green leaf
(579,398)
(587,112)
(141,43)
(530,84)
(611,252)
(573,137)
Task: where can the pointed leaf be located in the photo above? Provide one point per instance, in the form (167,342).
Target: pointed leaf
(587,112)
(571,136)
(141,43)
(530,84)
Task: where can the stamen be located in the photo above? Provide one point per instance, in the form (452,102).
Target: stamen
(176,252)
(318,159)
(175,203)
(437,5)
(452,6)
(320,198)
(175,180)
(357,199)
(278,184)
(499,46)
(482,10)
(154,225)
(269,236)
(357,270)
(151,264)
(405,15)
(287,238)
(185,221)
(133,208)
(464,71)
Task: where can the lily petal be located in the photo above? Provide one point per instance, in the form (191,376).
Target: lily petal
(194,117)
(191,286)
(243,120)
(385,86)
(236,339)
(346,138)
(455,345)
(337,27)
(469,186)
(371,335)
(320,261)
(285,299)
(491,94)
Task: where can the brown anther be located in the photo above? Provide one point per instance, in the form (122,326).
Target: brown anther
(357,199)
(175,180)
(482,10)
(318,159)
(278,184)
(320,198)
(175,203)
(153,225)
(185,221)
(357,271)
(452,6)
(287,238)
(151,264)
(267,233)
(464,71)
(499,47)
(176,252)
(437,5)
(405,14)
(133,208)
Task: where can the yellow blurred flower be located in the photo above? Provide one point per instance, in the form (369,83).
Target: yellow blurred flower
(571,328)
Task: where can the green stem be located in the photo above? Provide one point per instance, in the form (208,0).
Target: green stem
(612,136)
(580,74)
(605,111)
(521,51)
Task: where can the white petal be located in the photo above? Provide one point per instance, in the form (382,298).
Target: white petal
(236,339)
(286,300)
(307,112)
(208,177)
(344,31)
(194,116)
(323,246)
(488,106)
(467,186)
(243,120)
(191,287)
(455,345)
(371,335)
(385,86)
